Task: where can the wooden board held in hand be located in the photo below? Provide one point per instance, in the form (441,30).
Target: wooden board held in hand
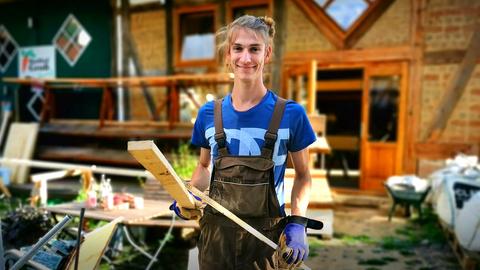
(148,154)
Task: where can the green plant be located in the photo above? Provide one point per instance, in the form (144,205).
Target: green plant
(184,161)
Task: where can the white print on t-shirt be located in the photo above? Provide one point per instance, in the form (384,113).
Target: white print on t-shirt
(248,145)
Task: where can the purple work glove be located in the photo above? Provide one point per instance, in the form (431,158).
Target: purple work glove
(187,213)
(296,239)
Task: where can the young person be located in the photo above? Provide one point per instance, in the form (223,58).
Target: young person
(248,134)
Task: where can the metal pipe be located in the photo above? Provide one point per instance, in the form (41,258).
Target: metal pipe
(50,234)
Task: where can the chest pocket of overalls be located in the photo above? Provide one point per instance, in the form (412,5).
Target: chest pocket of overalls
(244,185)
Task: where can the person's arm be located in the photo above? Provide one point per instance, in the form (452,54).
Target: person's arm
(200,180)
(201,174)
(301,184)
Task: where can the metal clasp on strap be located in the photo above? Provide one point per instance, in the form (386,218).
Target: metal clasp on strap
(270,139)
(220,139)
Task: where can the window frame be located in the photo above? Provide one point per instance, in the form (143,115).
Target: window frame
(343,39)
(4,68)
(70,40)
(178,38)
(233,4)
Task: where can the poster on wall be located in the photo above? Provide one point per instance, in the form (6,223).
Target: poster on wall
(37,62)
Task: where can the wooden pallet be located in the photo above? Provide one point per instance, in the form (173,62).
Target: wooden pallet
(468,260)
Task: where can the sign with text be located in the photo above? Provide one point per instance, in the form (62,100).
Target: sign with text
(37,62)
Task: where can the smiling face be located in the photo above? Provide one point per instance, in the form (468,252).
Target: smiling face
(247,55)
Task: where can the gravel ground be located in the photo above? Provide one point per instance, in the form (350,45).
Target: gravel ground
(365,239)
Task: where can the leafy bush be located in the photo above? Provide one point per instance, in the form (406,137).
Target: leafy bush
(184,161)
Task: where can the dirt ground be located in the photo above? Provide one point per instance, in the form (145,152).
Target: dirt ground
(365,239)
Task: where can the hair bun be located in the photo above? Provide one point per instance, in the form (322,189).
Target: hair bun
(271,25)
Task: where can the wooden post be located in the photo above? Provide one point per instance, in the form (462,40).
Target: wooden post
(279,8)
(125,18)
(312,87)
(415,86)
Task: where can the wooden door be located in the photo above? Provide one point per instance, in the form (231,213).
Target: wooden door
(383,117)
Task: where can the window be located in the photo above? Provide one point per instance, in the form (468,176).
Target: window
(71,40)
(346,12)
(343,21)
(195,44)
(8,48)
(256,8)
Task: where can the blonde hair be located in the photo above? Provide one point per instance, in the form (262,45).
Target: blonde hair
(265,26)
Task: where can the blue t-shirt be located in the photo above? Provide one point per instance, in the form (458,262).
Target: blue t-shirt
(245,132)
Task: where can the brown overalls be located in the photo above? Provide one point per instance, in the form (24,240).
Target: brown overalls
(245,186)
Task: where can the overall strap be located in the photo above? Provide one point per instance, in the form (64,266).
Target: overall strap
(220,136)
(271,134)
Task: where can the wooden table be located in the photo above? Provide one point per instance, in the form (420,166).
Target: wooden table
(152,209)
(174,83)
(132,217)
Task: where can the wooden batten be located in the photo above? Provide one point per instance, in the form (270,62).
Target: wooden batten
(341,85)
(430,150)
(445,57)
(351,56)
(147,153)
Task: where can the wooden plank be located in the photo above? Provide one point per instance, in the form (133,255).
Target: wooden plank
(94,245)
(48,176)
(445,57)
(88,155)
(321,195)
(151,209)
(184,79)
(20,144)
(340,85)
(344,142)
(68,166)
(147,153)
(431,150)
(351,56)
(319,123)
(455,88)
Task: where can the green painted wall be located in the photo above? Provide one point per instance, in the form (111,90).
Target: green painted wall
(48,16)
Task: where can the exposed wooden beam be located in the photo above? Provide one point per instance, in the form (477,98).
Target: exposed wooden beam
(125,19)
(340,85)
(444,150)
(351,56)
(322,22)
(417,42)
(169,36)
(363,24)
(455,88)
(279,11)
(445,57)
(132,53)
